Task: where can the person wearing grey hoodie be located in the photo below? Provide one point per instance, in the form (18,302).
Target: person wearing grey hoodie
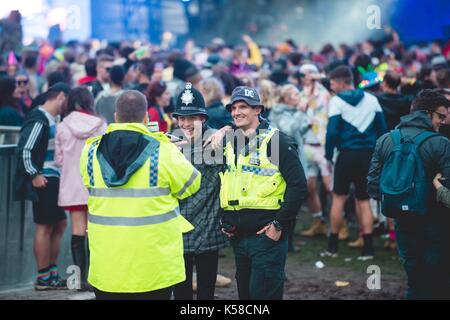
(289,119)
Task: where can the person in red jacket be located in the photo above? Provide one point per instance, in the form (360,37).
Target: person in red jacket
(90,67)
(158,98)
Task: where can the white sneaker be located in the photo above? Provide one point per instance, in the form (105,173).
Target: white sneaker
(365,258)
(329,254)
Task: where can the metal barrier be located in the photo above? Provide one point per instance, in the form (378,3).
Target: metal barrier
(17,262)
(9,135)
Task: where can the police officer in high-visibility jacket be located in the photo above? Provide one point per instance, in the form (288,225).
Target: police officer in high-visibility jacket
(135,179)
(262,189)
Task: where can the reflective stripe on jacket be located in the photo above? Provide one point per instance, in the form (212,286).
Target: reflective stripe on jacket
(135,229)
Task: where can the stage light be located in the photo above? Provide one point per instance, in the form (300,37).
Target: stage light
(26,7)
(167,36)
(57,16)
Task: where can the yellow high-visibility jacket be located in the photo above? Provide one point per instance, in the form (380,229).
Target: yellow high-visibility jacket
(134,226)
(253,182)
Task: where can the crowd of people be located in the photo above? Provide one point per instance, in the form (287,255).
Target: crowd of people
(331,112)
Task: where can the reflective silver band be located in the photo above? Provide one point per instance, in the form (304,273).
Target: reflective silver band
(133,221)
(128,192)
(188,183)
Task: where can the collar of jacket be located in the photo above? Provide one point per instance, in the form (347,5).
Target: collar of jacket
(137,127)
(255,142)
(264,124)
(36,115)
(216,104)
(417,119)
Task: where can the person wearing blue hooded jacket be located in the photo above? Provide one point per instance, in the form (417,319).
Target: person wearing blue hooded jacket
(355,121)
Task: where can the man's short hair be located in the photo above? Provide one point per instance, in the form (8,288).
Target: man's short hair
(90,66)
(342,73)
(429,100)
(30,61)
(117,74)
(131,107)
(56,89)
(443,78)
(146,66)
(392,79)
(105,58)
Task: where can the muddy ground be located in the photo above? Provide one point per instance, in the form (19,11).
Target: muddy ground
(306,281)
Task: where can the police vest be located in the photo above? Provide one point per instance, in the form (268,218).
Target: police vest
(252,182)
(135,230)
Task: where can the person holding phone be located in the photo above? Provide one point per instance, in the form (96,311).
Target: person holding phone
(202,245)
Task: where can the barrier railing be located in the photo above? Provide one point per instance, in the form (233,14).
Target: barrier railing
(17,262)
(9,135)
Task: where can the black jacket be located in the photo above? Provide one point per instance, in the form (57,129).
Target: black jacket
(95,86)
(218,116)
(435,153)
(249,221)
(445,130)
(30,153)
(394,107)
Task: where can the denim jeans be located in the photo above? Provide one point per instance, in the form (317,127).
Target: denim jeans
(260,263)
(421,245)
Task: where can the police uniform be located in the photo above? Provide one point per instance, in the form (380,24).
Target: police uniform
(135,179)
(259,188)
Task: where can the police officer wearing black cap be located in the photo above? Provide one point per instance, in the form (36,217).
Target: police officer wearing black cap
(263,187)
(202,245)
(190,102)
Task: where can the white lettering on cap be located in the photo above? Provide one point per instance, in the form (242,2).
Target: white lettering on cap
(249,93)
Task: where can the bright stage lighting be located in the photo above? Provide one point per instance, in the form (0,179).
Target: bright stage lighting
(26,7)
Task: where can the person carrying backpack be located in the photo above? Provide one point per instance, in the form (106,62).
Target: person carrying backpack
(400,175)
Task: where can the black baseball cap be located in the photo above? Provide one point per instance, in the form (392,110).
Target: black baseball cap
(247,94)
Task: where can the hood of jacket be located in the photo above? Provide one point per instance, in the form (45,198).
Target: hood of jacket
(281,108)
(216,105)
(82,125)
(352,97)
(417,119)
(394,103)
(123,150)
